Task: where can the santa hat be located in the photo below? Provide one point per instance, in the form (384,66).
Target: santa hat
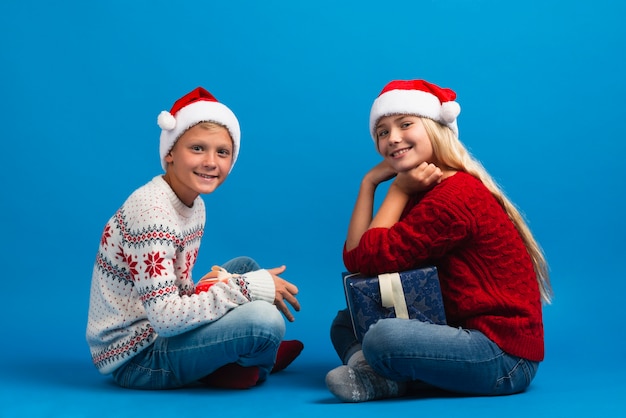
(196,106)
(419,98)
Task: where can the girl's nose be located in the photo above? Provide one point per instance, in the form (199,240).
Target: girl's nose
(394,136)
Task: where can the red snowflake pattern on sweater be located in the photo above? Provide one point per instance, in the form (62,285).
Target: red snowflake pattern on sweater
(132,265)
(105,235)
(154,263)
(142,285)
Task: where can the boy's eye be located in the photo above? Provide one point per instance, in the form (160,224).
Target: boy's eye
(382,133)
(224,151)
(196,148)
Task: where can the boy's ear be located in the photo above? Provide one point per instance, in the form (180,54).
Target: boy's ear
(168,158)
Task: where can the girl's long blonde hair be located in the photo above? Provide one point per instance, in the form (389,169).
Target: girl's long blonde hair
(450,153)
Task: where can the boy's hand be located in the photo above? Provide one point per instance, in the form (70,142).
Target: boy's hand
(285,291)
(418,179)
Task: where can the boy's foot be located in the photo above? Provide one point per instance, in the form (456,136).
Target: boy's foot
(287,353)
(233,376)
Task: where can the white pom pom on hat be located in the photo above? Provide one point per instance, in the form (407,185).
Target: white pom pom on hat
(450,111)
(194,107)
(416,97)
(166,120)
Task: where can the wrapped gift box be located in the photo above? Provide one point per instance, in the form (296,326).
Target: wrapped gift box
(422,294)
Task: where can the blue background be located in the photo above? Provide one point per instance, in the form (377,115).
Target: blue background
(541,85)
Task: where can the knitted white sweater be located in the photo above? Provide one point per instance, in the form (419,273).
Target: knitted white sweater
(142,286)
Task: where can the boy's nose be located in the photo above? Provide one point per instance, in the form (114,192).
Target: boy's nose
(209,161)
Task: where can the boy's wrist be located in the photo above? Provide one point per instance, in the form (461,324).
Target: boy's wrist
(260,285)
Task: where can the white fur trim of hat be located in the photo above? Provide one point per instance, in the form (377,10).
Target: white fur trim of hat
(419,98)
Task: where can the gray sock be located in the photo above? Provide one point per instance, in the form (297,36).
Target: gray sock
(362,384)
(357,359)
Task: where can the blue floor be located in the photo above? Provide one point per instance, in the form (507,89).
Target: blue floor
(72,388)
(42,377)
(45,367)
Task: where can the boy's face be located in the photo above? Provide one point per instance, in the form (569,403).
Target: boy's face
(199,161)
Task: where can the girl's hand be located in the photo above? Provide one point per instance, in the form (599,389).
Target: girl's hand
(421,178)
(379,173)
(285,291)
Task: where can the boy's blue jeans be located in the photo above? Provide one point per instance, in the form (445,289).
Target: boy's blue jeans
(248,335)
(454,359)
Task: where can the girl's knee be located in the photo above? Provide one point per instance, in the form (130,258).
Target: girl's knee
(383,330)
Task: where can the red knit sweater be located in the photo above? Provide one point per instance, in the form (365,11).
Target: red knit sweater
(487,276)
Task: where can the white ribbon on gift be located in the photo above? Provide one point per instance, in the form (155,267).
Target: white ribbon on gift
(392,294)
(222,275)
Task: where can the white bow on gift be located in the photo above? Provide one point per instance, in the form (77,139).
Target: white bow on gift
(392,294)
(216,275)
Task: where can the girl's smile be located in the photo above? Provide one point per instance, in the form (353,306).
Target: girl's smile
(399,153)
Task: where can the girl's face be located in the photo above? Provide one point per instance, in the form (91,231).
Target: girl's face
(403,142)
(199,162)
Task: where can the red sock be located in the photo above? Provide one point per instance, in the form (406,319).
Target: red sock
(287,352)
(233,376)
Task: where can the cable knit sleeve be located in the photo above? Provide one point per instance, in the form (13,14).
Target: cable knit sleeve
(431,226)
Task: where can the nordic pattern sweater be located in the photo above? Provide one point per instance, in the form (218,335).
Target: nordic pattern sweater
(142,285)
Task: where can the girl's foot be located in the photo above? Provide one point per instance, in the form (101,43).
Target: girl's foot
(362,384)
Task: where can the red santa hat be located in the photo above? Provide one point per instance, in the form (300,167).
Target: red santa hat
(196,106)
(419,98)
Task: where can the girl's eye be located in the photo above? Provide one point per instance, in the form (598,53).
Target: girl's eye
(406,124)
(196,148)
(225,152)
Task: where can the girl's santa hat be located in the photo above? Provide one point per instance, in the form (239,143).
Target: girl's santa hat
(419,98)
(196,106)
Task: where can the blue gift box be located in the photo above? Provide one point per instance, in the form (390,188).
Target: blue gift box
(422,295)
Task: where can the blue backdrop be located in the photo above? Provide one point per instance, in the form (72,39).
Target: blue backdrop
(541,86)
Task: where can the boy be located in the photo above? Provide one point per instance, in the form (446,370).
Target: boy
(148,325)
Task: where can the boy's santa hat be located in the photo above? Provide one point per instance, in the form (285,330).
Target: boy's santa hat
(419,98)
(196,106)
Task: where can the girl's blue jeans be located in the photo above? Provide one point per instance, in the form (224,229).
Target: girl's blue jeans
(248,335)
(454,359)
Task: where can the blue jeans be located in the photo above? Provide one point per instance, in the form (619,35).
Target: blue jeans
(454,359)
(248,335)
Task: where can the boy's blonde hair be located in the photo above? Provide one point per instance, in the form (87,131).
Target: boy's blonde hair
(450,153)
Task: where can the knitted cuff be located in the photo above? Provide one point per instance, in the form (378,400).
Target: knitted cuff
(260,285)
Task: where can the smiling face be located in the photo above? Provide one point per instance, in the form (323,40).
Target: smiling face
(403,141)
(199,162)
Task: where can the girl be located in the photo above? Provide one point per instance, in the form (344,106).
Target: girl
(441,209)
